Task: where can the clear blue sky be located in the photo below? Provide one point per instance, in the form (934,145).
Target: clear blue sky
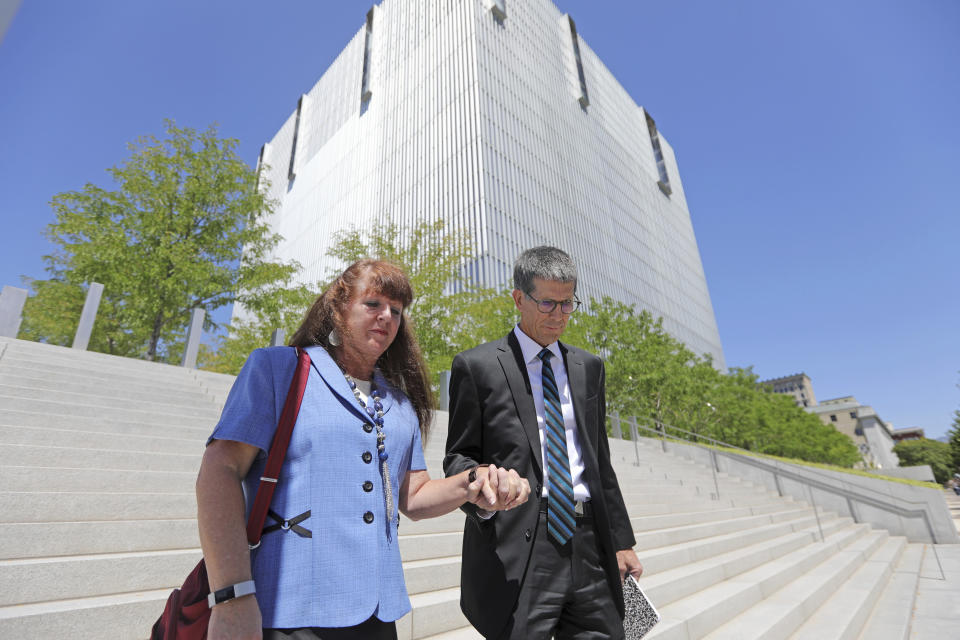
(818,145)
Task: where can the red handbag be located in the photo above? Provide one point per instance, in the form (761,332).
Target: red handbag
(187,614)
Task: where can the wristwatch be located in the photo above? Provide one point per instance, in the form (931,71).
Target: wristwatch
(472,476)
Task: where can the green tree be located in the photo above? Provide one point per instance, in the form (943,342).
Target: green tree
(647,369)
(655,377)
(448,313)
(650,374)
(281,307)
(925,451)
(183,228)
(51,314)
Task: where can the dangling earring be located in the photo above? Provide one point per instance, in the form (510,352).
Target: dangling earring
(333,338)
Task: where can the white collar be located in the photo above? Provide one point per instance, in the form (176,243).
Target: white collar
(531,350)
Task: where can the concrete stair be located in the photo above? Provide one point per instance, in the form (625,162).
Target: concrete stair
(953,503)
(98,458)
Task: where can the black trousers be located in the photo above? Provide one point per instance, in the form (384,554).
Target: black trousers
(372,629)
(565,594)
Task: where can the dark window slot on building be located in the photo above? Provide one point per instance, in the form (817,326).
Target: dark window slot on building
(664,182)
(260,159)
(292,172)
(499,9)
(365,92)
(584,98)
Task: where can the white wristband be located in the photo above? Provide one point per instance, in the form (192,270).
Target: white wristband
(231,592)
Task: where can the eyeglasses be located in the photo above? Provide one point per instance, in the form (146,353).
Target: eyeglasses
(547,306)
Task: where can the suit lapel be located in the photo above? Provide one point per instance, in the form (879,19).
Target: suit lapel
(515,370)
(577,379)
(333,377)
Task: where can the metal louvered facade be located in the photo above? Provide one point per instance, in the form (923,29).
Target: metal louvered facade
(475,112)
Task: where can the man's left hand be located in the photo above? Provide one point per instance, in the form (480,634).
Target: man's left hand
(628,562)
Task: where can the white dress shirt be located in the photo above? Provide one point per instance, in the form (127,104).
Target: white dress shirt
(530,350)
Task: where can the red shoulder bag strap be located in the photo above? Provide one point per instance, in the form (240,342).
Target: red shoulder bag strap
(278,449)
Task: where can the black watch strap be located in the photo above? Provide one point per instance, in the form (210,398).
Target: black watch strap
(472,476)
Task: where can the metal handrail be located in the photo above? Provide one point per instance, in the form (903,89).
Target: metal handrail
(754,458)
(810,482)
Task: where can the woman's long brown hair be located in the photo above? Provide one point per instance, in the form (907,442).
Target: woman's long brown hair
(402,363)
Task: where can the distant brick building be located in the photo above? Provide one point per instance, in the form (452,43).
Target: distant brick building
(873,436)
(908,433)
(798,385)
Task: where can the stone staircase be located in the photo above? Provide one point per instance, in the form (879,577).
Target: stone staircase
(953,504)
(97,521)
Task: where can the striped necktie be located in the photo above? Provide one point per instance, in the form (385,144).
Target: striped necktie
(560,519)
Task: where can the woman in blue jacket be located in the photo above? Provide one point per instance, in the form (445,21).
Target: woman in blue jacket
(328,565)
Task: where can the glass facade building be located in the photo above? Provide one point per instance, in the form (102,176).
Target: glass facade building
(497,117)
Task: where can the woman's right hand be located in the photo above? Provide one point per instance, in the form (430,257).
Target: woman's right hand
(237,619)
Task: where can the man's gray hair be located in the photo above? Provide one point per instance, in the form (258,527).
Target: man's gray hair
(546,263)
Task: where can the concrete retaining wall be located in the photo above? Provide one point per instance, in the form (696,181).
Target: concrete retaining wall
(922,472)
(908,497)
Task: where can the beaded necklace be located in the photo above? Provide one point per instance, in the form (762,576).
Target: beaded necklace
(376,414)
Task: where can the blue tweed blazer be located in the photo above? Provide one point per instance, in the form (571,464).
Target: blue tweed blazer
(335,568)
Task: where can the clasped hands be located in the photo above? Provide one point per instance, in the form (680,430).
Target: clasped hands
(497,489)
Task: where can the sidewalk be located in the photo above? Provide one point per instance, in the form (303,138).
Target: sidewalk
(936,613)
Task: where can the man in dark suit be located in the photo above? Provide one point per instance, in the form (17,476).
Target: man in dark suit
(554,565)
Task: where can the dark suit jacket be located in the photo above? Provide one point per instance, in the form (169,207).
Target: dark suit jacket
(493,420)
